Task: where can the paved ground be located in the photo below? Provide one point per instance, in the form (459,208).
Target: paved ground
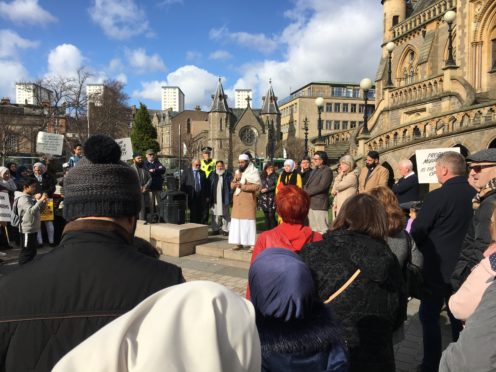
(233,275)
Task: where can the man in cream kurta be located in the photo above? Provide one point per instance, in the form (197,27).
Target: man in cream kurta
(246,184)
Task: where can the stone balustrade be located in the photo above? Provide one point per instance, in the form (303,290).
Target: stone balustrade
(417,91)
(436,10)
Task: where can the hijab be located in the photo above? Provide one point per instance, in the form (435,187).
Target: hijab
(291,163)
(281,285)
(195,326)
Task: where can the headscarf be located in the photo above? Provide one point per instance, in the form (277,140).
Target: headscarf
(195,326)
(291,163)
(8,185)
(3,170)
(281,285)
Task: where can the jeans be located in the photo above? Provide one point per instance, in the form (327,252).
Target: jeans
(429,314)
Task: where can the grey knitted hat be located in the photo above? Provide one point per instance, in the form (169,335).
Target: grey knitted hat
(100,184)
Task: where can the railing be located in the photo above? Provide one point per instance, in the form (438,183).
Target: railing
(417,91)
(442,125)
(412,23)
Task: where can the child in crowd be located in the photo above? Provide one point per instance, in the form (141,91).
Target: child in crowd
(29,206)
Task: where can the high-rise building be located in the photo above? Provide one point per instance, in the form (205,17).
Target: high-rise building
(94,93)
(240,97)
(32,94)
(172,98)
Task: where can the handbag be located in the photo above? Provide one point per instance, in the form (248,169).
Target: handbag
(343,287)
(412,274)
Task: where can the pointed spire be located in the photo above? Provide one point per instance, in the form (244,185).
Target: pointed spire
(219,103)
(269,105)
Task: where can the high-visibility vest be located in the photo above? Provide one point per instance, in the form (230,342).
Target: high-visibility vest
(207,166)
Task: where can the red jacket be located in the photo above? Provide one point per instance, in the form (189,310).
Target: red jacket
(285,235)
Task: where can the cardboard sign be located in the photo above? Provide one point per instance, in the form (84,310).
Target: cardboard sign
(47,212)
(49,143)
(4,207)
(126,148)
(426,163)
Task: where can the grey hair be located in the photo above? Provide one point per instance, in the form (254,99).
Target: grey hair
(194,159)
(454,161)
(406,163)
(348,159)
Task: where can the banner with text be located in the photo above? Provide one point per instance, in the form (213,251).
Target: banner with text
(126,148)
(426,163)
(4,207)
(49,143)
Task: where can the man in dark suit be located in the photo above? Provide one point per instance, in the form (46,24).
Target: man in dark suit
(194,184)
(407,187)
(439,230)
(317,187)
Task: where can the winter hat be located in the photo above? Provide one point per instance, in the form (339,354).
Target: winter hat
(100,184)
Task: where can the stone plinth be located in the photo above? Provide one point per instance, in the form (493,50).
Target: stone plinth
(177,240)
(143,231)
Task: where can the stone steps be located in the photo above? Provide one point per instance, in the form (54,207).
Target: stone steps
(219,247)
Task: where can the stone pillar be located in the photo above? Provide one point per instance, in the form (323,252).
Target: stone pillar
(362,148)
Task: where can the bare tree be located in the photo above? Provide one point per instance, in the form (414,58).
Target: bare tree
(16,133)
(295,149)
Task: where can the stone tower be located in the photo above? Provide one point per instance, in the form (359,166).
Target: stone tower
(271,117)
(219,120)
(394,13)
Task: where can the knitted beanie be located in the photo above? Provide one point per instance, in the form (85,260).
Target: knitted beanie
(100,184)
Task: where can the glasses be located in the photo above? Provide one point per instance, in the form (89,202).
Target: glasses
(478,168)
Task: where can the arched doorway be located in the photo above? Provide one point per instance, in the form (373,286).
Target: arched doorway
(391,173)
(463,150)
(492,145)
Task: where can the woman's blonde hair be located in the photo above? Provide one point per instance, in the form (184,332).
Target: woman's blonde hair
(395,215)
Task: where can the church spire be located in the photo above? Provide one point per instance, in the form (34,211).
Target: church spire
(219,103)
(269,105)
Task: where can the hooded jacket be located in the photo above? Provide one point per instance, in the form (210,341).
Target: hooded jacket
(373,305)
(285,235)
(50,305)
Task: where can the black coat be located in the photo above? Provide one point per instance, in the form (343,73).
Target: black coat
(476,241)
(440,227)
(373,306)
(226,188)
(51,305)
(188,186)
(407,189)
(47,184)
(158,172)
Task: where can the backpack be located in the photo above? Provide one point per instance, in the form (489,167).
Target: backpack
(15,218)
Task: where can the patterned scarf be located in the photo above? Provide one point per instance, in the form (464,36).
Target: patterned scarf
(479,197)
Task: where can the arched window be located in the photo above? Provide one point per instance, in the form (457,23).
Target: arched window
(188,126)
(220,124)
(407,71)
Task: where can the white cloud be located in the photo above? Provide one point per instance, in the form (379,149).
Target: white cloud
(143,62)
(25,11)
(121,77)
(258,42)
(10,73)
(165,3)
(64,60)
(193,56)
(325,41)
(11,42)
(115,64)
(119,19)
(196,83)
(220,55)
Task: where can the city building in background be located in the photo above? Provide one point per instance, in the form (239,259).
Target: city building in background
(172,98)
(241,98)
(94,94)
(32,94)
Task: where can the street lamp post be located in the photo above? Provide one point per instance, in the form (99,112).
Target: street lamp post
(365,85)
(319,102)
(305,127)
(449,17)
(389,47)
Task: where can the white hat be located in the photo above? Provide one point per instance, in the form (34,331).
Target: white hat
(244,157)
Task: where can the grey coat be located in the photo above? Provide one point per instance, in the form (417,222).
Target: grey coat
(144,177)
(474,350)
(29,210)
(317,187)
(399,247)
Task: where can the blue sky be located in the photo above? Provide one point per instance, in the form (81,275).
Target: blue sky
(190,43)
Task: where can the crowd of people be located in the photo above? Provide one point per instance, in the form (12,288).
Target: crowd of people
(329,280)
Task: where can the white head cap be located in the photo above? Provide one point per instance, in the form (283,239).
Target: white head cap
(244,157)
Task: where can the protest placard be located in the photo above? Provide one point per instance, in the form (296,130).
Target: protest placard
(49,143)
(4,207)
(47,212)
(126,148)
(426,163)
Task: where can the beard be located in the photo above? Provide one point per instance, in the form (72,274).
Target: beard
(370,165)
(242,168)
(140,164)
(220,172)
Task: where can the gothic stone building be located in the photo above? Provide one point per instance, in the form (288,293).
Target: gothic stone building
(431,102)
(228,131)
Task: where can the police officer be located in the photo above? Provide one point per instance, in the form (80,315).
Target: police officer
(207,164)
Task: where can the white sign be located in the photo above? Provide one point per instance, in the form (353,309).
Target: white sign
(126,148)
(49,143)
(4,207)
(426,163)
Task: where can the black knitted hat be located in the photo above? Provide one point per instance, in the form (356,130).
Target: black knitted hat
(100,184)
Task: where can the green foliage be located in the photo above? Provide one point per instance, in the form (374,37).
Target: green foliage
(144,134)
